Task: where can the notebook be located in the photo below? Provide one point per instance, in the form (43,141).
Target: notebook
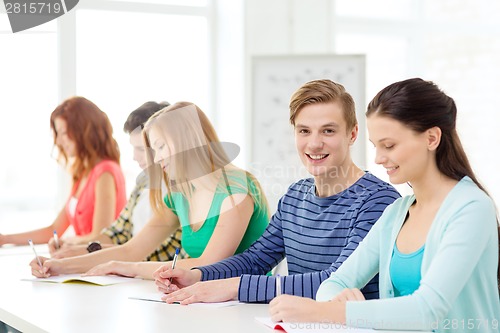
(105,280)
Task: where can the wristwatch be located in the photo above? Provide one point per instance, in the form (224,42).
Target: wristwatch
(94,246)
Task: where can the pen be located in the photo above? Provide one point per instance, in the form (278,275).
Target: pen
(278,285)
(56,240)
(174,260)
(36,255)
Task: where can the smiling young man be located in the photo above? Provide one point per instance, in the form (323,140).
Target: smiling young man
(319,221)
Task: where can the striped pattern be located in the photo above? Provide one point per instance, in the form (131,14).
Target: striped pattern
(315,234)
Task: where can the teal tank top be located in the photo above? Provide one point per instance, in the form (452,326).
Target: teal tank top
(405,271)
(194,242)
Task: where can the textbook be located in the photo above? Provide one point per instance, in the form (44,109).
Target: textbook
(104,280)
(310,327)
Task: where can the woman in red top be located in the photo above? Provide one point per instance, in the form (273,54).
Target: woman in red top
(83,136)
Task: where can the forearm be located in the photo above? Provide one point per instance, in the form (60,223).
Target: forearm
(83,263)
(262,288)
(84,239)
(104,240)
(192,262)
(145,269)
(39,236)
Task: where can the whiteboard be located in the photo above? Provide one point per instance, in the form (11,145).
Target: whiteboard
(273,157)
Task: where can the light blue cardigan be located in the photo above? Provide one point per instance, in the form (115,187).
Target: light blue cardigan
(458,291)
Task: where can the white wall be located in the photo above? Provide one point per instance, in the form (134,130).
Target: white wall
(282,27)
(453,43)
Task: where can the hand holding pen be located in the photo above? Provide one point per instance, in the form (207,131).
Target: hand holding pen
(173,264)
(181,278)
(36,264)
(30,242)
(165,275)
(56,241)
(54,244)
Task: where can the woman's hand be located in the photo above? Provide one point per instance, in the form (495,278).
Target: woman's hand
(289,308)
(181,278)
(50,267)
(69,241)
(53,248)
(205,292)
(69,251)
(120,268)
(349,295)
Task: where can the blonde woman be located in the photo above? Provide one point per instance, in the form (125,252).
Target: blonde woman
(221,208)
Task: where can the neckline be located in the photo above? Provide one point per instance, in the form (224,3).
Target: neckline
(408,255)
(312,190)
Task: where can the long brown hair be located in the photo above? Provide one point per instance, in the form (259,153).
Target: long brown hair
(409,102)
(91,131)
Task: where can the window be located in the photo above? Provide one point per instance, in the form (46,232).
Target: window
(125,55)
(454,43)
(138,58)
(28,174)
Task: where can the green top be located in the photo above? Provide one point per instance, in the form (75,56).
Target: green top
(194,242)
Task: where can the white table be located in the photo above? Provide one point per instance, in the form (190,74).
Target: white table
(54,307)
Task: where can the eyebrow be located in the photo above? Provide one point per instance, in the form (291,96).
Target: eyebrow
(154,144)
(381,140)
(322,126)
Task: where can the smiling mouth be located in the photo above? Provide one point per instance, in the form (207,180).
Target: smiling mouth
(317,157)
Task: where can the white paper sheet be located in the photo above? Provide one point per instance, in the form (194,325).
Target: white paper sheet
(156,297)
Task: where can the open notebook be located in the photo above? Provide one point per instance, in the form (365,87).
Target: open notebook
(310,327)
(77,278)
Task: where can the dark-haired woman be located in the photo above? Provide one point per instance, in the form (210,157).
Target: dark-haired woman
(437,250)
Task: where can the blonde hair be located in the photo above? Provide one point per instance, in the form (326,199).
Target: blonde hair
(323,91)
(197,151)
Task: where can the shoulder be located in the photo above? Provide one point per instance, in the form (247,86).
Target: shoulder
(242,200)
(107,166)
(301,191)
(474,193)
(370,186)
(302,186)
(467,196)
(239,181)
(372,183)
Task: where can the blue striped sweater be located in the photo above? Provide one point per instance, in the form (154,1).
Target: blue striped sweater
(315,234)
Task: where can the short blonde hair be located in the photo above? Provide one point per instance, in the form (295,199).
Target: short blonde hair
(323,91)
